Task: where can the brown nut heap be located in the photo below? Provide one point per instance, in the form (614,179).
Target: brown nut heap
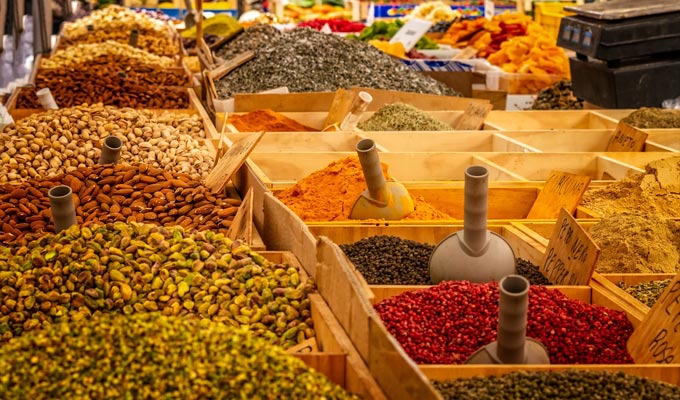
(107,193)
(105,52)
(59,141)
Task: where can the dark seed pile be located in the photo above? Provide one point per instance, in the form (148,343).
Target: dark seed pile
(647,292)
(391,260)
(250,40)
(149,356)
(562,385)
(559,96)
(305,60)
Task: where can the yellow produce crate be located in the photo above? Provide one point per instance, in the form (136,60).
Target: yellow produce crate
(549,15)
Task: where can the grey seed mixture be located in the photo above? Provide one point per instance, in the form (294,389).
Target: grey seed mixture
(402,117)
(562,385)
(305,60)
(249,40)
(647,292)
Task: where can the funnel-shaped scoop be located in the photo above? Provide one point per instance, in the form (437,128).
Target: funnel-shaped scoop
(512,346)
(62,207)
(386,200)
(473,254)
(111,150)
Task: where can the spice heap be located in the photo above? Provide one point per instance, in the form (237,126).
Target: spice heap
(268,121)
(446,323)
(330,193)
(557,385)
(559,96)
(316,62)
(657,191)
(651,118)
(647,292)
(59,141)
(633,243)
(402,117)
(138,268)
(249,40)
(391,260)
(107,193)
(149,356)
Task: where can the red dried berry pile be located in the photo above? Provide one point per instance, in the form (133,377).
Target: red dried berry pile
(446,323)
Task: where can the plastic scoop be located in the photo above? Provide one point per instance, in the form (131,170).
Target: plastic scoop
(512,346)
(111,150)
(388,200)
(473,254)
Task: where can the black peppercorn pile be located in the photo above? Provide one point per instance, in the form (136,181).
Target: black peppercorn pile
(557,97)
(390,260)
(572,385)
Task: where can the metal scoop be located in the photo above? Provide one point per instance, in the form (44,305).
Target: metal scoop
(473,254)
(382,200)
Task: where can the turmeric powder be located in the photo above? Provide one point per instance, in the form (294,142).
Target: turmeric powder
(330,193)
(268,121)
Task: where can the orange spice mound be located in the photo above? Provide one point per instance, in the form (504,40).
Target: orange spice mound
(330,193)
(268,121)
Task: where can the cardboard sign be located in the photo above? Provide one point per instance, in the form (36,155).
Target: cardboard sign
(411,32)
(231,161)
(242,225)
(5,118)
(204,54)
(657,338)
(571,254)
(627,138)
(561,190)
(490,9)
(342,102)
(473,117)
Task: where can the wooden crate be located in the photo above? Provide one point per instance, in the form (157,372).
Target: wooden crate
(337,357)
(610,281)
(663,139)
(278,172)
(593,295)
(549,120)
(195,108)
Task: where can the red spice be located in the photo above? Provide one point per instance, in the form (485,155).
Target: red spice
(445,324)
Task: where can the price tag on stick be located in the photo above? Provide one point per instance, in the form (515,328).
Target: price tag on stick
(571,254)
(561,190)
(657,338)
(231,161)
(627,138)
(411,32)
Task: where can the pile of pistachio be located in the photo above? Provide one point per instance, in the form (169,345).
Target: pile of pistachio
(138,268)
(149,356)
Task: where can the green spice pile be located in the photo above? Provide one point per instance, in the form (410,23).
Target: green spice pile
(559,96)
(558,385)
(391,260)
(135,268)
(249,40)
(402,117)
(149,356)
(316,62)
(647,292)
(633,243)
(653,118)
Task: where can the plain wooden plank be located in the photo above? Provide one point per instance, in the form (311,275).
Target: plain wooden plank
(333,366)
(543,120)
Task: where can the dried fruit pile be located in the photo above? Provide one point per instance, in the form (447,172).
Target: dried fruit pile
(446,323)
(138,268)
(107,193)
(149,356)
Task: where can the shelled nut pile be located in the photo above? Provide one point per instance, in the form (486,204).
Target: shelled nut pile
(183,358)
(136,268)
(58,141)
(106,193)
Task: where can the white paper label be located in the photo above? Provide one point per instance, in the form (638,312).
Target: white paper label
(411,32)
(489,9)
(370,17)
